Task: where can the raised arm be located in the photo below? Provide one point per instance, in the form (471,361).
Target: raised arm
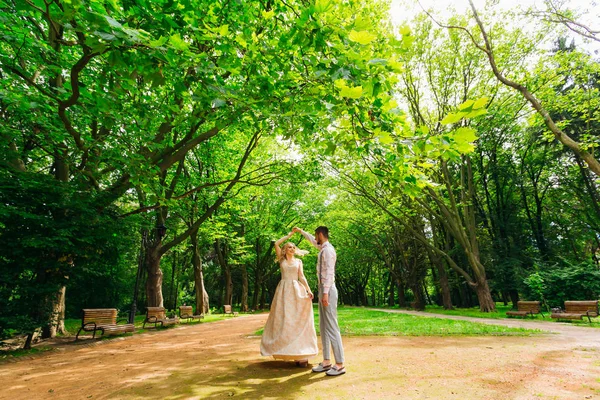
(277,243)
(303,281)
(308,237)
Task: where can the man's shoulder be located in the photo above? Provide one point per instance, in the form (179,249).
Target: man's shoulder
(329,247)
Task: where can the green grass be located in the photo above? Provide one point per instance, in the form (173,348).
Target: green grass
(500,313)
(22,353)
(362,322)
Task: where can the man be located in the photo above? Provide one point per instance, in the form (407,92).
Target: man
(328,296)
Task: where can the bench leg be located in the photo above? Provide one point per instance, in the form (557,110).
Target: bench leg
(78,332)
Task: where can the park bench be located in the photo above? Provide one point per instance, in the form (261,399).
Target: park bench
(228,311)
(103,320)
(157,315)
(525,308)
(577,310)
(187,312)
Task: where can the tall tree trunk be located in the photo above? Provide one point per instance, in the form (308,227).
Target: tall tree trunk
(244,300)
(263,295)
(401,294)
(514,298)
(486,302)
(202,303)
(154,281)
(255,293)
(391,297)
(221,251)
(56,301)
(172,294)
(419,302)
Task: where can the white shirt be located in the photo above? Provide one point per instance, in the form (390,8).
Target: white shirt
(327,256)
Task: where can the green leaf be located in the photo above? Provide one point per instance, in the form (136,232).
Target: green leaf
(362,37)
(453,118)
(268,14)
(113,22)
(385,137)
(466,104)
(178,43)
(476,113)
(216,103)
(351,92)
(159,42)
(224,30)
(465,135)
(322,5)
(479,103)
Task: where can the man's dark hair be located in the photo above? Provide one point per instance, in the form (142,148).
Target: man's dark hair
(323,230)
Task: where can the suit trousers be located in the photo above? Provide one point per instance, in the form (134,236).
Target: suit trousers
(328,324)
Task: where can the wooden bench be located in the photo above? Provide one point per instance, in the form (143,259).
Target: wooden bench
(525,308)
(187,312)
(157,315)
(228,311)
(577,310)
(103,320)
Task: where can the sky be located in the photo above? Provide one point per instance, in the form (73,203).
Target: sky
(403,10)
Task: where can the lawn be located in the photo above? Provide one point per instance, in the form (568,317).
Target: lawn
(500,313)
(363,322)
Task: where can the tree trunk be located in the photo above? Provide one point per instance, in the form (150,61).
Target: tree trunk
(401,295)
(154,281)
(221,251)
(255,292)
(172,294)
(391,298)
(486,302)
(138,276)
(514,298)
(263,295)
(202,305)
(244,302)
(419,302)
(56,320)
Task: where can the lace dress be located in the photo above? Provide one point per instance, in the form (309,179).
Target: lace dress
(289,333)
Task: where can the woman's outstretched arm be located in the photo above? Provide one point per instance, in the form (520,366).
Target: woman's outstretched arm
(277,243)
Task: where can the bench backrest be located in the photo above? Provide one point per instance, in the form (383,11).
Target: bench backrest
(227,308)
(582,307)
(157,312)
(185,310)
(533,306)
(101,316)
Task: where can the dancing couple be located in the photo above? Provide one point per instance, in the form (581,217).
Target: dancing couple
(289,333)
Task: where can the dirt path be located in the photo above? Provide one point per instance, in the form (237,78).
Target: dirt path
(221,360)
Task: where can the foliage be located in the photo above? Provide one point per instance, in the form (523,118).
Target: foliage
(52,232)
(564,281)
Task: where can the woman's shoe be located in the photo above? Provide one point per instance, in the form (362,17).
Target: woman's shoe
(303,363)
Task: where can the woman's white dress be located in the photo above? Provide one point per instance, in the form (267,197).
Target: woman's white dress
(289,333)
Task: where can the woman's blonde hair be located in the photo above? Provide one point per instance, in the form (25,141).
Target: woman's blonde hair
(297,252)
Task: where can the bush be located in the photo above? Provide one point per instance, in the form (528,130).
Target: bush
(564,281)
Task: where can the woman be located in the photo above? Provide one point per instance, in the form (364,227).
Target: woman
(289,333)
